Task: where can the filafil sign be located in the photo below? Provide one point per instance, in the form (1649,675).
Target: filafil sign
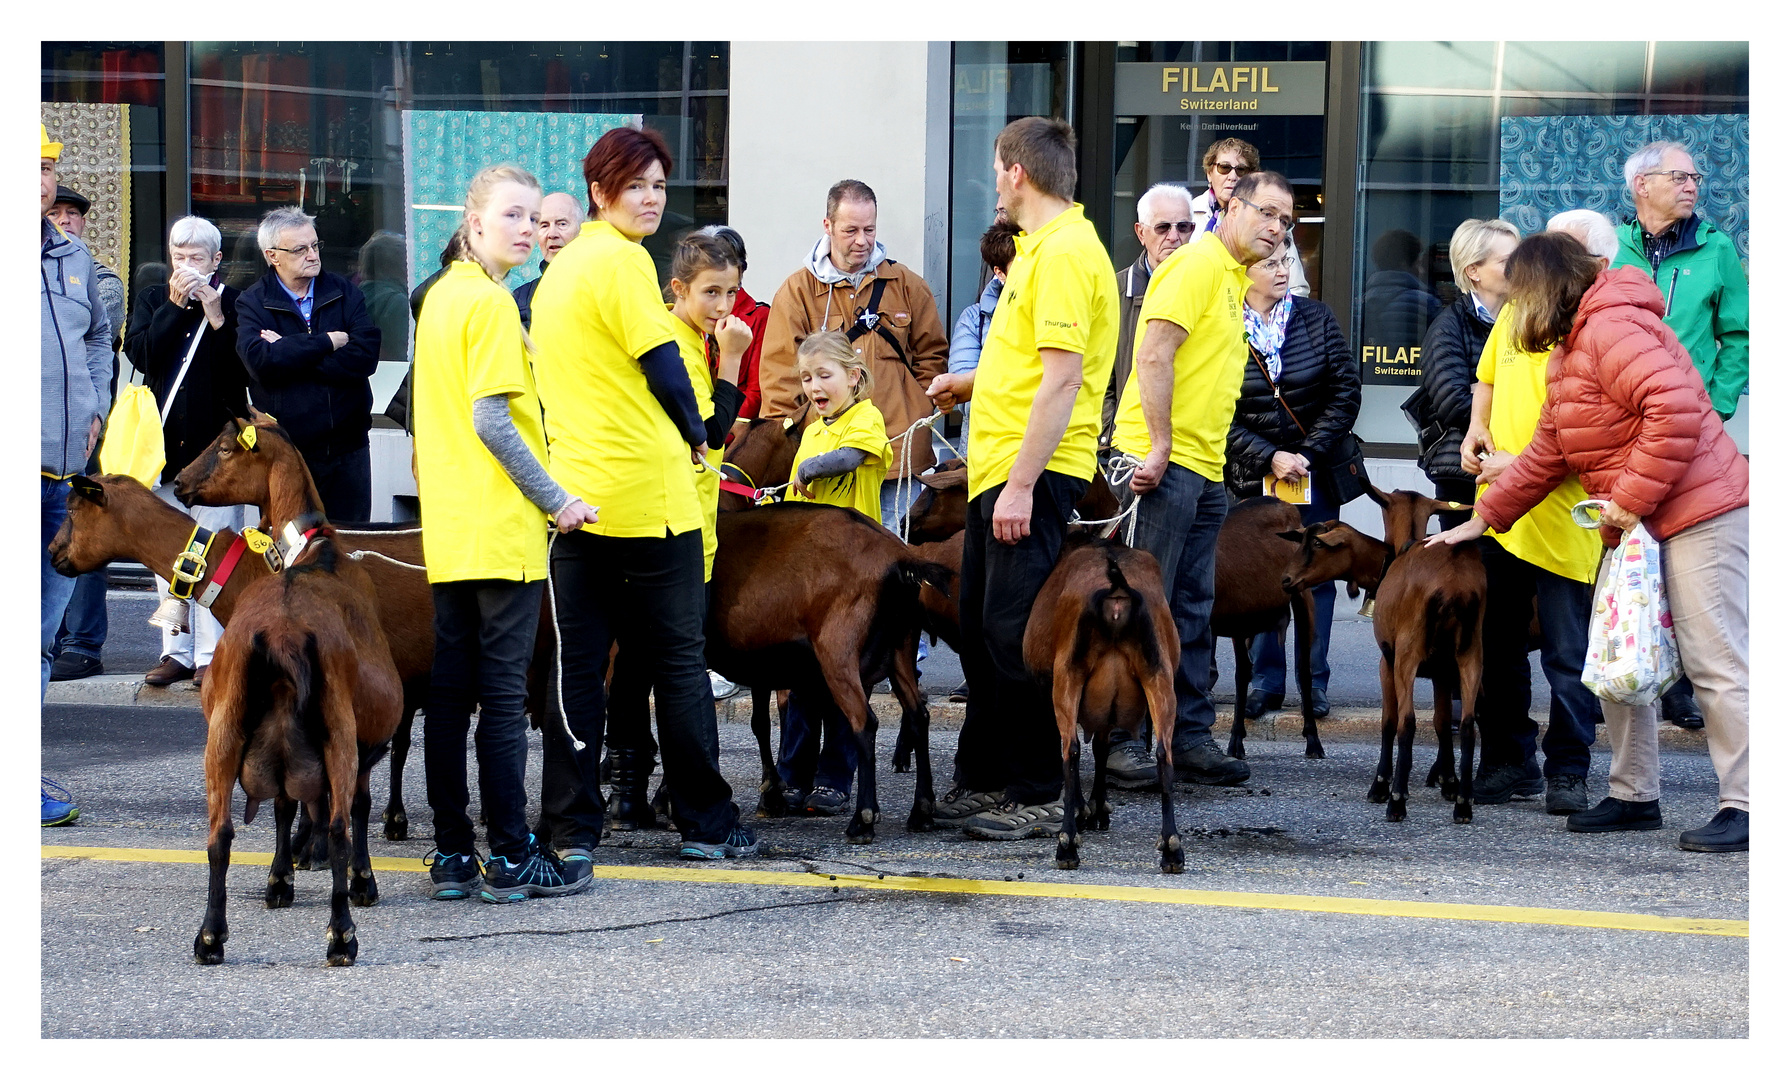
(1288,88)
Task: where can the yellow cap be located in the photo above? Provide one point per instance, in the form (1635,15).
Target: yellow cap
(52,150)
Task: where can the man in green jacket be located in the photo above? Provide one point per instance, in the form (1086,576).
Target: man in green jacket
(1693,263)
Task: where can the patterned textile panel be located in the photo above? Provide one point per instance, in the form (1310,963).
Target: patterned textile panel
(1547,164)
(96,161)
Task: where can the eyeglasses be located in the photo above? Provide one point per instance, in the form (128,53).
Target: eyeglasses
(315,245)
(1286,222)
(1161,228)
(1678,178)
(1225,169)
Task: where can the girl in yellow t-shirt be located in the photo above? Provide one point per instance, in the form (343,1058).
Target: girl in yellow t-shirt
(841,462)
(486,500)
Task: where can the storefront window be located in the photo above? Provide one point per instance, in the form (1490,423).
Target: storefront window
(1522,130)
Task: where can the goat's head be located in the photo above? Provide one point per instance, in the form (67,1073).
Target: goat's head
(102,511)
(942,506)
(1407,515)
(234,469)
(1333,551)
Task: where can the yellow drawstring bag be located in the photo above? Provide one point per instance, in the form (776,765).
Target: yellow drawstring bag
(133,439)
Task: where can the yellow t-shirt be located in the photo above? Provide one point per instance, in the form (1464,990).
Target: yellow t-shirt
(1199,288)
(691,347)
(1546,535)
(477,525)
(609,441)
(859,427)
(1061,293)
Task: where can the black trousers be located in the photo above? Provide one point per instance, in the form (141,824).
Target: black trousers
(1009,739)
(345,484)
(484,636)
(648,593)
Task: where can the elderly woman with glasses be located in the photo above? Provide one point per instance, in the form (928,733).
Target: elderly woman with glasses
(1301,394)
(1226,162)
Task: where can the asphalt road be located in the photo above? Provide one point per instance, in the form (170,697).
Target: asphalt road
(1330,940)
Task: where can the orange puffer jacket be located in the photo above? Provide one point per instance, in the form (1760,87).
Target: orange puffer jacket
(1626,412)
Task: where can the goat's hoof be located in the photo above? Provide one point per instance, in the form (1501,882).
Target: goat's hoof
(1174,859)
(1314,750)
(1435,775)
(1451,789)
(1070,863)
(1068,854)
(1379,792)
(902,762)
(1235,749)
(279,892)
(397,825)
(1395,810)
(208,946)
(921,819)
(363,891)
(1463,812)
(862,829)
(343,947)
(1103,819)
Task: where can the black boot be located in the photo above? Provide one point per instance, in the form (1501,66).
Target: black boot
(628,807)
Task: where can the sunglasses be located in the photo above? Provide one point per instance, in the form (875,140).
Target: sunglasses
(1161,228)
(1225,169)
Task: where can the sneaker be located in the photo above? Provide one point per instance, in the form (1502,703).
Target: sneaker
(1566,795)
(825,801)
(72,665)
(1207,764)
(1504,782)
(59,806)
(539,873)
(1727,831)
(452,877)
(1130,765)
(960,803)
(1615,815)
(168,672)
(1015,821)
(722,688)
(740,843)
(960,694)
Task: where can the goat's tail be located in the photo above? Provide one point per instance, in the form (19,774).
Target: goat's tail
(284,674)
(914,573)
(1453,623)
(1117,606)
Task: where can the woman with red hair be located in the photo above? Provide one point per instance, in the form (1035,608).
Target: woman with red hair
(624,433)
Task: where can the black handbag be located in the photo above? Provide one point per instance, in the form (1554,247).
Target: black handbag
(1344,474)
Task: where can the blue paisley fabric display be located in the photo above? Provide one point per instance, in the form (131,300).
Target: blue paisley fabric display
(1547,164)
(443,151)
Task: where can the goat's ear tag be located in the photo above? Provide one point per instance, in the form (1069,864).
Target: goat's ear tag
(1455,506)
(788,421)
(246,437)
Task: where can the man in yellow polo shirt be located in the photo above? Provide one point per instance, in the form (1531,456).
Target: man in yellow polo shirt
(1544,559)
(1037,389)
(1173,418)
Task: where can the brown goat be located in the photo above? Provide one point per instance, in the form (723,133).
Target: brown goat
(229,473)
(1253,551)
(764,454)
(300,702)
(942,506)
(822,598)
(1102,639)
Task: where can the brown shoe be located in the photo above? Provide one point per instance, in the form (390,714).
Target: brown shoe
(199,675)
(168,672)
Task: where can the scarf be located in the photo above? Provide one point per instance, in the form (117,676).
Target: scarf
(1268,333)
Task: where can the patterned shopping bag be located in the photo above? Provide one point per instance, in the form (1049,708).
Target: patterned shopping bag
(1633,654)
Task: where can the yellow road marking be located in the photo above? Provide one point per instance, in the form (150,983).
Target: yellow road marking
(1337,905)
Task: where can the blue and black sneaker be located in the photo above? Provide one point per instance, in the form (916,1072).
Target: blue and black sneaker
(740,843)
(452,877)
(538,873)
(59,806)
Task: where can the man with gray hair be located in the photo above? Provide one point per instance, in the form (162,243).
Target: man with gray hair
(1165,221)
(182,337)
(309,345)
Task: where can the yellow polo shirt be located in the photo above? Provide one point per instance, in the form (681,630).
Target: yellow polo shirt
(860,427)
(609,442)
(1061,293)
(1199,288)
(477,525)
(693,349)
(1545,535)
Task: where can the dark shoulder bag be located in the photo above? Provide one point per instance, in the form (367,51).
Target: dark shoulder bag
(1344,472)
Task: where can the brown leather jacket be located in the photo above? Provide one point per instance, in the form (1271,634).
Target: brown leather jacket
(803,306)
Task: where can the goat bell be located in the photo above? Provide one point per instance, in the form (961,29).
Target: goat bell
(1367,606)
(170,614)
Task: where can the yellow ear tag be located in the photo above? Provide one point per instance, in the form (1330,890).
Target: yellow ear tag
(257,540)
(246,437)
(1455,506)
(788,422)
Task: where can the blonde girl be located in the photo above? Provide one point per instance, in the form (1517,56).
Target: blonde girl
(486,499)
(841,462)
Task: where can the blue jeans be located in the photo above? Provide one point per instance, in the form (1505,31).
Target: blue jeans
(84,623)
(1178,523)
(56,588)
(1268,653)
(801,767)
(1564,606)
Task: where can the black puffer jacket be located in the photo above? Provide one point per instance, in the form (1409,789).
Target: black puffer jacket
(1451,351)
(1318,378)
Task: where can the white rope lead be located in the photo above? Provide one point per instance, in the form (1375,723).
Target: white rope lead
(905,480)
(559,644)
(363,553)
(1119,472)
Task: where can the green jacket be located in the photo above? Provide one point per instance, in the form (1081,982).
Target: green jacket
(1705,287)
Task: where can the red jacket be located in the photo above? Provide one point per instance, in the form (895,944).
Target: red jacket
(1628,413)
(756,315)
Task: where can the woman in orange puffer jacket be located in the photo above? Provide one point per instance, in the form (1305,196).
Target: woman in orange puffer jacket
(1628,414)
